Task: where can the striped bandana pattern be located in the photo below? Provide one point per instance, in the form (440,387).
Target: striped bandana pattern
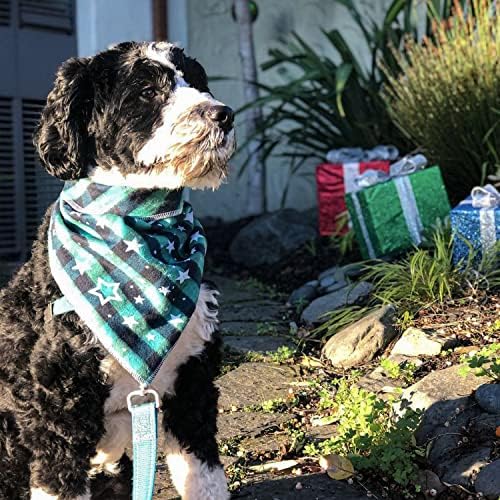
(130,261)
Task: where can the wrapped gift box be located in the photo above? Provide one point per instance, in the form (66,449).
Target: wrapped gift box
(334,181)
(476,224)
(390,216)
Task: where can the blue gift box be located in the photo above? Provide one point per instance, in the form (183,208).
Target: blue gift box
(476,223)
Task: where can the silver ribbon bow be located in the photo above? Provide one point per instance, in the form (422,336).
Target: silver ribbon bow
(399,172)
(406,166)
(487,199)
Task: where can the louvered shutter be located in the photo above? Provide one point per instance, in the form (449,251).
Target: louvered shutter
(53,15)
(9,242)
(5,13)
(40,188)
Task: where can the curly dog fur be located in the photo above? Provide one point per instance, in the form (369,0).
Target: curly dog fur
(63,420)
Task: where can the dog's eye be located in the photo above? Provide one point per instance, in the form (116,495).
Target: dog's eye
(148,93)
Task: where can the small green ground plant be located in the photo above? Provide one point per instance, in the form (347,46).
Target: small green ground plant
(370,434)
(423,277)
(485,363)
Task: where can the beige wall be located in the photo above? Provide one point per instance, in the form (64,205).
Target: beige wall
(213,39)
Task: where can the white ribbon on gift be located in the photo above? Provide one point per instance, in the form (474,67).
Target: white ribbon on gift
(399,172)
(487,199)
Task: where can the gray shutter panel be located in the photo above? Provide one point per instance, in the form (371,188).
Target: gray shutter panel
(40,188)
(53,15)
(5,12)
(8,232)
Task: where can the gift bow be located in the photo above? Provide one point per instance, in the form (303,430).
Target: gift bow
(485,197)
(406,166)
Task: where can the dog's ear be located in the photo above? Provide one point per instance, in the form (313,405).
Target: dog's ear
(195,75)
(62,138)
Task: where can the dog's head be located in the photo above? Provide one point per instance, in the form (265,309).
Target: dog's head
(139,114)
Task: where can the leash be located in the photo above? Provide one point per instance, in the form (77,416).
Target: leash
(144,443)
(144,425)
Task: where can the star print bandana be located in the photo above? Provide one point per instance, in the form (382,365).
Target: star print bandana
(130,262)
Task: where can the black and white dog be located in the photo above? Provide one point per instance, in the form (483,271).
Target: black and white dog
(138,114)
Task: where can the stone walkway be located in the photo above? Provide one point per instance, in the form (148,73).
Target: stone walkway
(252,321)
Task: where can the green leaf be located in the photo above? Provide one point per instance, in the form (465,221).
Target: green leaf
(341,77)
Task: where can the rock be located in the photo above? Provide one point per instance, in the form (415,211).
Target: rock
(443,394)
(332,283)
(253,384)
(488,397)
(319,486)
(416,342)
(255,343)
(488,480)
(430,482)
(252,328)
(271,237)
(354,270)
(460,470)
(360,342)
(302,295)
(316,310)
(257,311)
(331,271)
(247,424)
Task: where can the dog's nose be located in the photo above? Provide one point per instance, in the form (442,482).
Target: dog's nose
(223,115)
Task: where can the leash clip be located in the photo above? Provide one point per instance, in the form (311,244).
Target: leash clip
(141,393)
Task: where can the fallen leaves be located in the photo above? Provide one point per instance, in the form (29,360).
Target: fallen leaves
(337,467)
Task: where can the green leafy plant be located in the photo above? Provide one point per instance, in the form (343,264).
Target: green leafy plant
(486,362)
(404,371)
(447,100)
(370,433)
(334,101)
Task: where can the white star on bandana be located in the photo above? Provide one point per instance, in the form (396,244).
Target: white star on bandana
(176,320)
(82,266)
(139,300)
(99,290)
(196,236)
(132,245)
(130,321)
(164,290)
(170,246)
(183,276)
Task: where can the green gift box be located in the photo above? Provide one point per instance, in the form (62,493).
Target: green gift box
(390,216)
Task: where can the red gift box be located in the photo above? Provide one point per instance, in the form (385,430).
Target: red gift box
(334,181)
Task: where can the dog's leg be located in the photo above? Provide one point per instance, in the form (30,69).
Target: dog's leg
(194,476)
(63,418)
(190,415)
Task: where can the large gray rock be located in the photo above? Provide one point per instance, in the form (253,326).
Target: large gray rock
(416,342)
(488,397)
(461,470)
(359,343)
(271,237)
(314,313)
(441,393)
(253,384)
(488,480)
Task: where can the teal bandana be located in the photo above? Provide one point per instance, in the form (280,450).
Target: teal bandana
(130,262)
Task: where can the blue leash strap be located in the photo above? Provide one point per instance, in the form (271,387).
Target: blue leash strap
(144,443)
